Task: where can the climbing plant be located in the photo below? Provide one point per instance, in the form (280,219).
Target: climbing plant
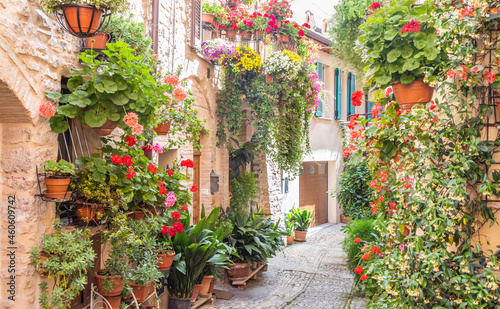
(431,174)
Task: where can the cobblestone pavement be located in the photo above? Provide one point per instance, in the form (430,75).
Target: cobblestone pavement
(313,275)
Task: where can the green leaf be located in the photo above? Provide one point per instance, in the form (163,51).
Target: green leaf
(108,86)
(406,51)
(390,34)
(74,83)
(95,118)
(58,123)
(407,79)
(411,64)
(69,111)
(393,55)
(420,40)
(120,99)
(79,98)
(55,96)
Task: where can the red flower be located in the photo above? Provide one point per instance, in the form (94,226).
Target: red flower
(388,92)
(301,32)
(130,140)
(363,277)
(178,227)
(164,230)
(375,250)
(131,173)
(146,148)
(176,215)
(375,6)
(357,240)
(356,98)
(365,256)
(185,208)
(272,17)
(152,168)
(222,27)
(411,26)
(490,77)
(116,159)
(187,163)
(234,26)
(306,25)
(163,190)
(269,29)
(194,189)
(172,231)
(160,182)
(272,23)
(358,270)
(170,172)
(127,160)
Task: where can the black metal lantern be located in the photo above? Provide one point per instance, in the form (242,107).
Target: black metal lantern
(82,20)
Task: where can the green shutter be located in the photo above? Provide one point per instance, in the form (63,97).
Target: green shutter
(370,106)
(319,70)
(338,93)
(351,88)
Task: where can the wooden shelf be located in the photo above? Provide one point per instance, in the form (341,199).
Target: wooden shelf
(202,300)
(242,284)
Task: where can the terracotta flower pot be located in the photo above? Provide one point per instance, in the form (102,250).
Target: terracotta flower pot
(284,38)
(100,41)
(106,128)
(239,271)
(300,235)
(114,301)
(196,291)
(162,128)
(417,92)
(212,286)
(205,285)
(136,215)
(259,35)
(497,102)
(142,293)
(117,283)
(165,261)
(89,211)
(289,240)
(207,18)
(57,187)
(269,78)
(179,303)
(230,33)
(82,13)
(344,219)
(246,35)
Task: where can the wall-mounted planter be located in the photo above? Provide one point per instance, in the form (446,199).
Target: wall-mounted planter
(246,35)
(100,41)
(230,33)
(162,128)
(208,18)
(106,128)
(82,20)
(417,92)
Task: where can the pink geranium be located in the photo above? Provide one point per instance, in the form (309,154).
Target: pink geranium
(171,199)
(137,129)
(180,94)
(156,147)
(131,119)
(47,109)
(172,80)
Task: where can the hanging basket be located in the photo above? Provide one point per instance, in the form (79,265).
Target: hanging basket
(207,18)
(230,33)
(246,35)
(417,92)
(162,128)
(99,43)
(82,20)
(106,128)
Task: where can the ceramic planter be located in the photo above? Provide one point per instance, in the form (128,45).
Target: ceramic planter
(117,282)
(162,128)
(239,271)
(106,128)
(284,38)
(165,261)
(300,235)
(100,41)
(212,286)
(196,291)
(79,19)
(89,211)
(205,285)
(114,301)
(57,187)
(344,219)
(143,292)
(417,92)
(289,240)
(230,33)
(246,35)
(179,303)
(207,18)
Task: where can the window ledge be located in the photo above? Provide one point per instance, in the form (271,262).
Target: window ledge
(323,118)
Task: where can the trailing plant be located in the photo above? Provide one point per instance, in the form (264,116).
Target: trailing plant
(354,193)
(400,44)
(66,257)
(240,158)
(114,5)
(212,7)
(243,191)
(284,64)
(301,218)
(125,29)
(430,197)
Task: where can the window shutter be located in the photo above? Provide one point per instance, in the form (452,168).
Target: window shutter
(319,70)
(351,88)
(195,22)
(338,93)
(370,106)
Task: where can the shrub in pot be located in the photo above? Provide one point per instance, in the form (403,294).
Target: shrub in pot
(401,48)
(302,220)
(58,177)
(211,10)
(66,257)
(289,225)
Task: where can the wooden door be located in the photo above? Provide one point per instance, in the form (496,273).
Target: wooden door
(313,196)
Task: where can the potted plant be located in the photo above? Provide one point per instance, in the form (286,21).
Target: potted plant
(123,28)
(83,17)
(98,41)
(218,50)
(66,257)
(229,22)
(260,24)
(245,26)
(210,11)
(58,177)
(407,53)
(282,65)
(289,225)
(302,220)
(165,253)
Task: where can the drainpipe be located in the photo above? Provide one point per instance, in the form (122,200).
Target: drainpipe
(154,25)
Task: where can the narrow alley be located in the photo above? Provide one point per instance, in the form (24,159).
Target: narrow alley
(313,274)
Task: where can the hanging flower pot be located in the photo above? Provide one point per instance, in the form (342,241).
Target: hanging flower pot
(246,35)
(259,35)
(230,33)
(116,282)
(57,187)
(165,261)
(100,41)
(162,128)
(106,128)
(82,20)
(207,18)
(284,38)
(417,92)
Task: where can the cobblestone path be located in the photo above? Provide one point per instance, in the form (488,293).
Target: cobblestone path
(306,275)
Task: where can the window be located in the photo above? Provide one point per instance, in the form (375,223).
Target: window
(195,38)
(370,106)
(351,87)
(338,93)
(310,169)
(321,168)
(321,75)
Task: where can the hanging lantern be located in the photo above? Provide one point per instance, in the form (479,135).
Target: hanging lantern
(82,20)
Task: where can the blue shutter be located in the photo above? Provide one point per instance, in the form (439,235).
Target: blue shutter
(338,93)
(351,88)
(319,70)
(370,106)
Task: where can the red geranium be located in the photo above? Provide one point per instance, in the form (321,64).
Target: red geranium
(365,256)
(185,208)
(127,160)
(357,240)
(178,227)
(130,140)
(375,250)
(170,172)
(152,168)
(301,32)
(375,6)
(176,215)
(194,189)
(306,25)
(411,26)
(163,190)
(356,98)
(358,270)
(131,173)
(187,163)
(363,277)
(164,230)
(172,231)
(146,149)
(116,159)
